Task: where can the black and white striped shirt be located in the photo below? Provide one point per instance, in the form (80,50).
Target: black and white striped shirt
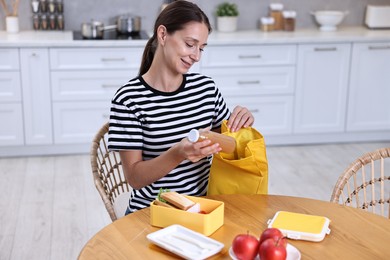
(143,118)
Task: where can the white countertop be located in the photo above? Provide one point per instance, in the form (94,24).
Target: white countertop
(348,34)
(65,39)
(58,39)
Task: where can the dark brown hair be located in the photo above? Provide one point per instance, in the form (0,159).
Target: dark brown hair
(174,17)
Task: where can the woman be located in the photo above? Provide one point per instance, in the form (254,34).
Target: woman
(152,114)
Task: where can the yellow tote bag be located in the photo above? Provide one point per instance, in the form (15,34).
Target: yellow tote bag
(243,172)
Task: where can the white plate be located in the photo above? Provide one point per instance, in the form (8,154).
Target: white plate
(185,242)
(292,253)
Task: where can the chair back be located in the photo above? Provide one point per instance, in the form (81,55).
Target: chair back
(365,184)
(108,175)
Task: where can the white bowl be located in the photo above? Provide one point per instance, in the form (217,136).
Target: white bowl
(329,19)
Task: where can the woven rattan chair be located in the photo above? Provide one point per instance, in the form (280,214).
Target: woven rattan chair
(108,175)
(365,184)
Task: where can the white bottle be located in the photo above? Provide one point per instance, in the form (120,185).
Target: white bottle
(227,143)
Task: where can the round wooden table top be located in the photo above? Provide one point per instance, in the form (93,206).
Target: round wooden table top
(355,234)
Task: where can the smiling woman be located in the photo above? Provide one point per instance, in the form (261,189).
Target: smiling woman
(152,114)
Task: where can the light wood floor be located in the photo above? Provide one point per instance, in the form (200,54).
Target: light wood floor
(50,208)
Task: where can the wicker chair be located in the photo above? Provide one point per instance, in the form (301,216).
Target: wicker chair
(365,184)
(108,175)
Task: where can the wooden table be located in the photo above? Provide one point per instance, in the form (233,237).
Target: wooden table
(355,234)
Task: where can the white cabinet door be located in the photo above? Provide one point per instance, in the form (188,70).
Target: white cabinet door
(11,130)
(36,95)
(249,55)
(95,58)
(10,86)
(78,122)
(273,115)
(369,90)
(88,84)
(11,117)
(321,89)
(254,80)
(9,59)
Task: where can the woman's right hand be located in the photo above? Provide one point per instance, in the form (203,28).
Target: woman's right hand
(198,150)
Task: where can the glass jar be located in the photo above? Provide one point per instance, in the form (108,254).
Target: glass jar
(60,22)
(52,22)
(44,22)
(289,20)
(276,13)
(35,6)
(36,22)
(267,24)
(43,5)
(60,6)
(52,6)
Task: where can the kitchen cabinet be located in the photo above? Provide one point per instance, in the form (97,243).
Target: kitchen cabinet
(11,131)
(321,90)
(369,90)
(83,83)
(273,114)
(9,59)
(78,122)
(95,58)
(11,115)
(37,110)
(302,88)
(259,77)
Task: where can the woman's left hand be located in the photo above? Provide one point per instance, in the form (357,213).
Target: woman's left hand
(240,117)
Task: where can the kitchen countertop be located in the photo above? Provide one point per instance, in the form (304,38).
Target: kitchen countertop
(65,38)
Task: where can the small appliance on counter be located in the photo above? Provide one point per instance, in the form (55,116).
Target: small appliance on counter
(378,17)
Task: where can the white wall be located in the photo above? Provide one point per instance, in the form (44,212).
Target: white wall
(79,11)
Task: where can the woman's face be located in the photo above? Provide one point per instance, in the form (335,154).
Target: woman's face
(184,47)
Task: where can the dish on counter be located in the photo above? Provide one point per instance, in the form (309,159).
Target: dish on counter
(185,242)
(292,253)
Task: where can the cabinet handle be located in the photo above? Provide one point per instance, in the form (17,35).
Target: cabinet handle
(253,82)
(249,56)
(109,86)
(113,59)
(385,47)
(326,49)
(253,111)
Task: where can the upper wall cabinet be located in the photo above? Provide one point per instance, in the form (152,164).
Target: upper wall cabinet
(321,90)
(369,96)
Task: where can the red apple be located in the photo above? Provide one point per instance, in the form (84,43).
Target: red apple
(271,249)
(245,247)
(273,233)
